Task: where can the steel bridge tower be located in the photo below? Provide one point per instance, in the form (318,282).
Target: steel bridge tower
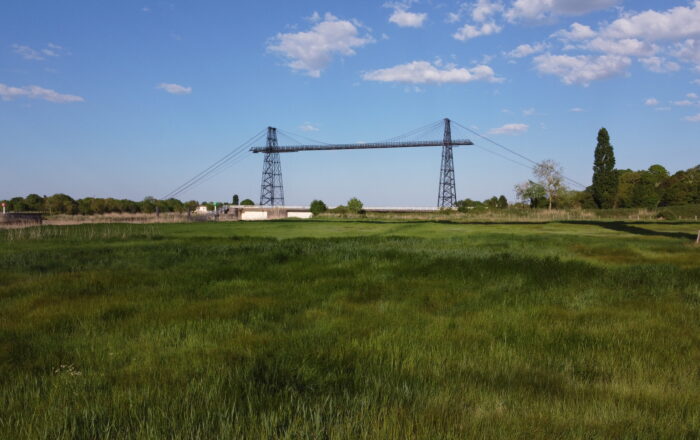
(447,194)
(271,189)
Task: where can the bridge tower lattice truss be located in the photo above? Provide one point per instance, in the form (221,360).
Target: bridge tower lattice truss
(271,189)
(447,193)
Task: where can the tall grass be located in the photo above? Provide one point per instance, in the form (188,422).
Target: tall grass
(368,330)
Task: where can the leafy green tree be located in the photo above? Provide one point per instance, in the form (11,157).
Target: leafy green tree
(248,202)
(532,193)
(317,207)
(191,205)
(148,205)
(34,202)
(18,204)
(61,204)
(604,176)
(502,202)
(469,205)
(645,193)
(234,199)
(659,173)
(549,174)
(491,203)
(354,205)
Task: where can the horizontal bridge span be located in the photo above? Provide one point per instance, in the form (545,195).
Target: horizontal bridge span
(360,146)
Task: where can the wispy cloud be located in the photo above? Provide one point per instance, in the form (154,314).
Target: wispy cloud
(29,53)
(525,50)
(694,118)
(8,93)
(547,9)
(510,129)
(582,69)
(651,102)
(577,110)
(422,72)
(175,89)
(468,31)
(307,126)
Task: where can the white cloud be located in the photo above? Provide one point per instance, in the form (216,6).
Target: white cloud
(175,89)
(27,52)
(422,72)
(307,126)
(651,102)
(453,17)
(692,95)
(314,17)
(404,18)
(525,50)
(577,32)
(8,93)
(625,46)
(581,69)
(469,31)
(529,111)
(484,9)
(659,65)
(683,103)
(510,129)
(313,50)
(696,82)
(53,50)
(688,50)
(545,9)
(694,118)
(577,110)
(675,23)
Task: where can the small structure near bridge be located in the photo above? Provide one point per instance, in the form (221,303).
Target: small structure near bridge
(20,219)
(242,212)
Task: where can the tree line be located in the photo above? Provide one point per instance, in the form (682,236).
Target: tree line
(611,187)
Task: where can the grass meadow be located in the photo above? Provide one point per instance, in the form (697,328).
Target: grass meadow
(338,329)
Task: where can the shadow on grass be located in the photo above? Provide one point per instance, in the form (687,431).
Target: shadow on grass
(632,229)
(618,226)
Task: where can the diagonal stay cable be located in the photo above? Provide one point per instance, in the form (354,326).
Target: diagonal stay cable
(415,131)
(289,135)
(233,160)
(227,167)
(215,165)
(513,152)
(213,172)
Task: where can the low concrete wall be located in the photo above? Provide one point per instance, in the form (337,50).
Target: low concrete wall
(12,218)
(299,215)
(254,215)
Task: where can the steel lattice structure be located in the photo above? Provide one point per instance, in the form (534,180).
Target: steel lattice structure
(272,192)
(447,191)
(271,189)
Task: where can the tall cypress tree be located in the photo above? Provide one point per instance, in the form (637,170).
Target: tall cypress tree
(604,174)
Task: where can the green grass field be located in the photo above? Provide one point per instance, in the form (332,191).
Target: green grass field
(350,330)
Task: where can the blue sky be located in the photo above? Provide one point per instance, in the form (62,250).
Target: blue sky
(129,99)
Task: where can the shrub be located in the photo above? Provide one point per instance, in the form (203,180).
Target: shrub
(354,205)
(340,209)
(318,207)
(248,202)
(666,215)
